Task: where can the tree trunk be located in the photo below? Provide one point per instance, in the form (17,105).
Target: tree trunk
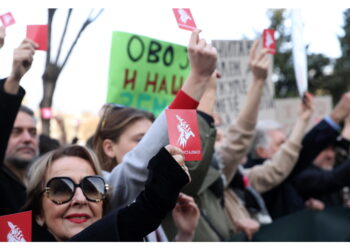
(49,81)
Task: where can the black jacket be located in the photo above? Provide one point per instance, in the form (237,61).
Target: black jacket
(132,223)
(13,192)
(322,184)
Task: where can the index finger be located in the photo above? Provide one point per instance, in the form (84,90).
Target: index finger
(253,49)
(194,37)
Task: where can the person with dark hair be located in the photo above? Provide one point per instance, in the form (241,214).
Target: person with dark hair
(46,144)
(119,130)
(19,147)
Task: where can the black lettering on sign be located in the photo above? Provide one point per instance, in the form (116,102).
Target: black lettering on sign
(135,40)
(168,56)
(153,50)
(186,64)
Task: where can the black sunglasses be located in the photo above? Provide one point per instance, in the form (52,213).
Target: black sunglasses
(61,190)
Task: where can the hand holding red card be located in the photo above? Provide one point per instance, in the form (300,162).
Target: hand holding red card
(269,41)
(183,132)
(16,227)
(38,33)
(7,19)
(184,19)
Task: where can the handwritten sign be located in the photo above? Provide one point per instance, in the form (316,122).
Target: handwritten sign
(145,73)
(232,87)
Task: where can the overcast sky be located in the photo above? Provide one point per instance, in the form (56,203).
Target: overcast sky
(82,85)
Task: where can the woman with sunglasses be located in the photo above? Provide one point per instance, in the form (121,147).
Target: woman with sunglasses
(68,198)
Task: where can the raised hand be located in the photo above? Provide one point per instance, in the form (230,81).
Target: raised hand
(23,58)
(203,58)
(259,62)
(342,109)
(307,107)
(22,61)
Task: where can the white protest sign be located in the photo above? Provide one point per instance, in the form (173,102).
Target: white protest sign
(232,87)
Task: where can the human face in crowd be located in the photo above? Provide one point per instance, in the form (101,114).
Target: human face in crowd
(276,138)
(130,138)
(326,159)
(23,142)
(68,219)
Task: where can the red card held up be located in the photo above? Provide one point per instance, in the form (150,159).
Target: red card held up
(7,19)
(16,227)
(38,33)
(269,41)
(183,132)
(184,18)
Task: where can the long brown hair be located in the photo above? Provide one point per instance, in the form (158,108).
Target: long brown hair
(114,121)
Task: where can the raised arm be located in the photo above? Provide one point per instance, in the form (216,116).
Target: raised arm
(22,61)
(272,172)
(11,94)
(240,133)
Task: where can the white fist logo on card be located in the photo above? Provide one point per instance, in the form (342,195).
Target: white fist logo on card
(184,16)
(15,235)
(7,20)
(269,40)
(184,130)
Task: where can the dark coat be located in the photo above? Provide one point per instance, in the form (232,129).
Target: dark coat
(13,192)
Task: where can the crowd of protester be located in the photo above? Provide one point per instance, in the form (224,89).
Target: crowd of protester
(129,184)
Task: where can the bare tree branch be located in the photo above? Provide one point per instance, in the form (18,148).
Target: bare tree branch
(85,24)
(63,35)
(51,13)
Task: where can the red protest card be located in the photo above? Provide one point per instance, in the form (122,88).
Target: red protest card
(46,113)
(7,19)
(269,41)
(184,18)
(16,227)
(38,33)
(184,133)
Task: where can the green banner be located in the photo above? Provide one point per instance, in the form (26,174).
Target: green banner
(145,73)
